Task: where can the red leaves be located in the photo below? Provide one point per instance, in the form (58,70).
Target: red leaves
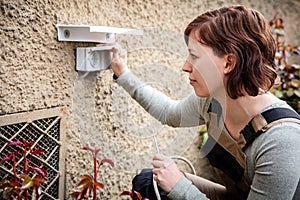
(89,184)
(277,22)
(29,182)
(6,158)
(27,146)
(94,151)
(14,189)
(99,185)
(85,187)
(13,184)
(134,195)
(88,148)
(38,170)
(287,88)
(127,193)
(15,143)
(37,151)
(106,160)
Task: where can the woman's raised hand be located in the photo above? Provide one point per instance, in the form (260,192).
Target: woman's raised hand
(119,60)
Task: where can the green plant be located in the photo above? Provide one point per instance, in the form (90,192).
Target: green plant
(203,135)
(288,88)
(21,185)
(88,184)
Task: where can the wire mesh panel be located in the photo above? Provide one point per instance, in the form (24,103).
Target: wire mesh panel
(45,130)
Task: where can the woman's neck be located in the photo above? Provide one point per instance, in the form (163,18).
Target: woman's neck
(238,112)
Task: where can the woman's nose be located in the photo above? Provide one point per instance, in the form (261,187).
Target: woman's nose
(187,67)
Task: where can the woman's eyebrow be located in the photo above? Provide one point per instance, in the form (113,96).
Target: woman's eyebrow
(190,50)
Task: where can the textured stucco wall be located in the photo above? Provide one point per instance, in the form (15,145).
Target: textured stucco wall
(37,72)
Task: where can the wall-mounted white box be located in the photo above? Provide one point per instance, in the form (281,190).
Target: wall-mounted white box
(92,58)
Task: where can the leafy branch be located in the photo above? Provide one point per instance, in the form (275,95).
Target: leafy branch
(89,184)
(22,184)
(289,87)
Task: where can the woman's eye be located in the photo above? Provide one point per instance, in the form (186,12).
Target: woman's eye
(193,56)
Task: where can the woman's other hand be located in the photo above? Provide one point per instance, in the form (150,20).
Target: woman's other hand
(165,172)
(119,60)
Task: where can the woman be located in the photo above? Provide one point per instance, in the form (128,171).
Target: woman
(231,68)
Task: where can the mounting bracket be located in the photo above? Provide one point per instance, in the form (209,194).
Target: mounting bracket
(86,33)
(92,58)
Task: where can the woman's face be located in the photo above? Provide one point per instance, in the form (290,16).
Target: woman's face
(206,70)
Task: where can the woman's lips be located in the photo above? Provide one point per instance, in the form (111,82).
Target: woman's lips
(192,81)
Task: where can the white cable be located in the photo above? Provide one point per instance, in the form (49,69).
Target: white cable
(185,160)
(156,190)
(173,157)
(154,182)
(178,158)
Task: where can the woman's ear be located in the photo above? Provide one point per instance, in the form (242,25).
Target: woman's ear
(230,63)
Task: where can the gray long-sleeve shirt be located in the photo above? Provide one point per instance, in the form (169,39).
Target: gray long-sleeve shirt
(273,159)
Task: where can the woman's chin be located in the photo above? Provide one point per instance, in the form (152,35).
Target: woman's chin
(202,94)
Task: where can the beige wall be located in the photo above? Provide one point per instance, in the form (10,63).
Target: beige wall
(38,72)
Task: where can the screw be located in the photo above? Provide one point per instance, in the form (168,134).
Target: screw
(109,36)
(67,33)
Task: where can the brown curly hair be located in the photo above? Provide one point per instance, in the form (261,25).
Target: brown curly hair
(244,33)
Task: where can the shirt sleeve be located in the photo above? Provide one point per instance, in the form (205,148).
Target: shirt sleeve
(274,163)
(184,189)
(176,113)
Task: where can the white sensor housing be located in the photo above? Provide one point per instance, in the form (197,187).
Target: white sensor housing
(92,58)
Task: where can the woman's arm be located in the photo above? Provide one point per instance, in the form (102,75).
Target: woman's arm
(184,189)
(185,112)
(273,162)
(184,186)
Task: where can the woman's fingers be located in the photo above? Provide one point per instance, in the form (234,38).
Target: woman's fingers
(119,60)
(115,52)
(165,172)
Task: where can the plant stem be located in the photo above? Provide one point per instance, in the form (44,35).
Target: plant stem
(14,167)
(15,174)
(25,170)
(95,178)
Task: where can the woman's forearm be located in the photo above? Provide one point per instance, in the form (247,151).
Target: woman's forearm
(176,113)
